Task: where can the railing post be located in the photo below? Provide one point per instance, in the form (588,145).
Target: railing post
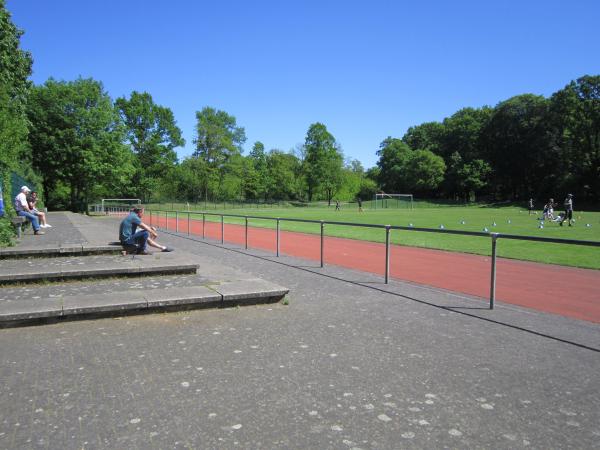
(322,242)
(222,229)
(176,221)
(387,253)
(278,237)
(493,275)
(203,225)
(188,214)
(150,214)
(167,220)
(246,233)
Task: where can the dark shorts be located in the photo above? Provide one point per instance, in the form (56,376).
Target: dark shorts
(136,242)
(569,214)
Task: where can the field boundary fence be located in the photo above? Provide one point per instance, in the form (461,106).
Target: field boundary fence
(156,217)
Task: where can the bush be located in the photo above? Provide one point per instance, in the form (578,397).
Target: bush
(7,232)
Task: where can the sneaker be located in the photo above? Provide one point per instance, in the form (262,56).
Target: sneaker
(48,225)
(144,253)
(168,249)
(38,232)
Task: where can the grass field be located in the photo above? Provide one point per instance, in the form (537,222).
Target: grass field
(508,220)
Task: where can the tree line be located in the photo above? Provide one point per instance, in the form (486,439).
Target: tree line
(81,145)
(526,146)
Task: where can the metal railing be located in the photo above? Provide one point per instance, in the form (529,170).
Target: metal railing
(387,228)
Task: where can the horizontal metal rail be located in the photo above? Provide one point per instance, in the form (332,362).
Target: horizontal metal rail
(494,236)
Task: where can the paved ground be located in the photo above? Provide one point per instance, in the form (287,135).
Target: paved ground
(349,363)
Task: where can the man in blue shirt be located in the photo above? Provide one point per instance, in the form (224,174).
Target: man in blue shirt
(135,241)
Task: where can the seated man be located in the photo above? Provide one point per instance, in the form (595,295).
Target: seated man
(135,241)
(31,201)
(22,208)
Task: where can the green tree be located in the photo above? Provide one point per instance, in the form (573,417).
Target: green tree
(152,134)
(461,133)
(284,180)
(323,162)
(15,68)
(78,142)
(256,178)
(473,178)
(427,136)
(517,142)
(218,139)
(189,180)
(394,155)
(575,117)
(424,171)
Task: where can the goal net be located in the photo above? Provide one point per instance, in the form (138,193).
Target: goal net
(118,205)
(383,200)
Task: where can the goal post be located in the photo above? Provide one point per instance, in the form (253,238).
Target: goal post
(383,200)
(118,203)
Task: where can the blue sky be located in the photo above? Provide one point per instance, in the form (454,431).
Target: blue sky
(366,69)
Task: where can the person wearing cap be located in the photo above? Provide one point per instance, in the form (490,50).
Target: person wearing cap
(22,208)
(568,209)
(134,241)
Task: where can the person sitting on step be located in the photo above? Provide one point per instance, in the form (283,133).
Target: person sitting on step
(31,201)
(135,241)
(22,209)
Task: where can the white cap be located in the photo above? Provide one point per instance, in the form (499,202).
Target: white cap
(25,188)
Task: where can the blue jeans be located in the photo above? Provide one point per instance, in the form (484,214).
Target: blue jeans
(32,218)
(138,239)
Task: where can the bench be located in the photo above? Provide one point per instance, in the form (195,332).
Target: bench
(19,223)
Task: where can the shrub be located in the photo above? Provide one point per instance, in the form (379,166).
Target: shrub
(7,232)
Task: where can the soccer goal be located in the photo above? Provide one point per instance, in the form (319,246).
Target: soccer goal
(118,205)
(383,200)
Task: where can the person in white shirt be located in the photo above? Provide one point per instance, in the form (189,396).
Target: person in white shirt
(23,210)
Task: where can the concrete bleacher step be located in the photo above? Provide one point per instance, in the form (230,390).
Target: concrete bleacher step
(131,299)
(32,270)
(54,251)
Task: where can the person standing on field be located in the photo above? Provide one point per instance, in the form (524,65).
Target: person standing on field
(530,206)
(568,209)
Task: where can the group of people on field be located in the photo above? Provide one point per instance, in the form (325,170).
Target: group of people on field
(548,212)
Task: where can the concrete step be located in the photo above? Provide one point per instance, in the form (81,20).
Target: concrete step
(52,251)
(95,266)
(188,292)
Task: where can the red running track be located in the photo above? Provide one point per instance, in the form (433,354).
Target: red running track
(555,289)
